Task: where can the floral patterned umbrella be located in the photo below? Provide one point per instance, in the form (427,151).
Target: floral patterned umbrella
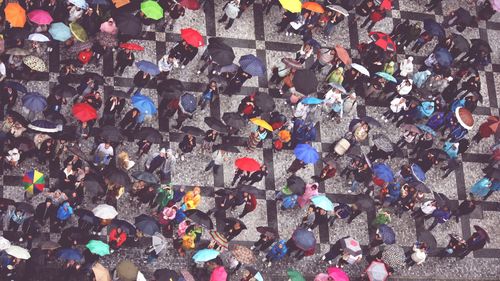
(243,254)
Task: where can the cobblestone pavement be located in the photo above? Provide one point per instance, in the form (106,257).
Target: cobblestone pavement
(255,33)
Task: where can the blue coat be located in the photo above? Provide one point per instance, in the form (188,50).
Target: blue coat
(450,149)
(436,120)
(64,214)
(289,202)
(276,253)
(483,186)
(425,109)
(441,215)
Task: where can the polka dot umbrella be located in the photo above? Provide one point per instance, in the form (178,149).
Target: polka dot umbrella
(34,182)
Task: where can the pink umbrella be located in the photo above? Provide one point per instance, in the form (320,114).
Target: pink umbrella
(337,274)
(109,27)
(218,274)
(495,4)
(322,277)
(40,17)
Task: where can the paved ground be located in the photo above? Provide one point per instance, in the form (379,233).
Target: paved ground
(255,33)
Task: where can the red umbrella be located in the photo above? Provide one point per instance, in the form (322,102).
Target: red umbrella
(84,112)
(383,40)
(190,4)
(247,164)
(132,46)
(192,37)
(386,5)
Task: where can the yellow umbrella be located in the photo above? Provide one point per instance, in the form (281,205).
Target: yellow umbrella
(78,32)
(35,63)
(262,123)
(293,6)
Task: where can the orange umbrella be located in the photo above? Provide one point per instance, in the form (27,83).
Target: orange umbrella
(343,55)
(493,122)
(15,14)
(120,3)
(313,6)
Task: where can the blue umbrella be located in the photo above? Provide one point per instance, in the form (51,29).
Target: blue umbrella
(306,153)
(383,172)
(434,28)
(311,100)
(45,126)
(80,4)
(204,255)
(144,104)
(16,86)
(387,76)
(59,31)
(338,87)
(70,254)
(304,239)
(426,129)
(443,57)
(387,234)
(148,67)
(34,102)
(322,202)
(252,65)
(147,226)
(188,103)
(418,173)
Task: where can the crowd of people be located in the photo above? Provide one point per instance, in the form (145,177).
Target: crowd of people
(86,136)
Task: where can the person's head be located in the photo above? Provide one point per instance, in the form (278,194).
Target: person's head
(213,84)
(460,28)
(245,194)
(237,225)
(119,230)
(163,152)
(107,145)
(196,190)
(48,202)
(97,95)
(69,166)
(84,124)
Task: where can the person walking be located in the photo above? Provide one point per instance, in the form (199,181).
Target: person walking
(465,208)
(336,250)
(124,58)
(476,241)
(231,11)
(456,245)
(218,159)
(277,252)
(417,255)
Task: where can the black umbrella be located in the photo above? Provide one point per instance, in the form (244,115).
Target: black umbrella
(434,28)
(265,102)
(234,221)
(16,86)
(6,201)
(268,231)
(481,45)
(150,134)
(64,90)
(110,133)
(87,216)
(120,94)
(296,184)
(77,151)
(92,187)
(305,81)
(25,207)
(165,274)
(94,76)
(429,239)
(225,147)
(145,176)
(248,188)
(128,24)
(194,131)
(124,225)
(117,176)
(420,186)
(220,52)
(482,233)
(55,117)
(18,117)
(170,88)
(147,224)
(441,199)
(464,16)
(200,218)
(24,144)
(371,121)
(216,124)
(234,120)
(460,43)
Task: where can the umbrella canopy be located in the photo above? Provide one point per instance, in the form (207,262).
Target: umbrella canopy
(45,126)
(200,218)
(305,81)
(420,186)
(49,245)
(188,103)
(145,176)
(150,134)
(482,233)
(225,147)
(110,133)
(17,52)
(216,124)
(192,37)
(313,6)
(383,40)
(4,202)
(128,24)
(190,4)
(64,90)
(234,120)
(296,184)
(294,6)
(105,212)
(116,176)
(81,46)
(159,242)
(429,239)
(460,43)
(262,123)
(311,100)
(38,37)
(252,65)
(204,255)
(464,117)
(376,271)
(304,239)
(268,231)
(80,4)
(16,86)
(87,216)
(152,9)
(78,32)
(337,274)
(84,112)
(171,88)
(15,14)
(35,63)
(4,243)
(306,153)
(387,76)
(417,172)
(220,52)
(34,182)
(147,66)
(264,102)
(434,28)
(147,224)
(248,188)
(247,164)
(124,225)
(70,254)
(338,9)
(40,17)
(481,45)
(186,275)
(387,234)
(98,247)
(351,246)
(127,270)
(443,57)
(342,53)
(361,69)
(323,202)
(294,275)
(100,272)
(110,27)
(132,47)
(394,256)
(383,172)
(426,129)
(441,199)
(243,254)
(106,39)
(383,143)
(165,274)
(194,131)
(18,252)
(292,63)
(219,239)
(25,207)
(144,104)
(59,31)
(94,76)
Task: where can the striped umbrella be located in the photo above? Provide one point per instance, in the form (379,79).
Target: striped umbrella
(34,182)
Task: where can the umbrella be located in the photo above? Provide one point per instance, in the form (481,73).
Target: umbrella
(306,153)
(152,10)
(40,17)
(464,117)
(337,274)
(304,239)
(264,102)
(296,185)
(84,112)
(252,65)
(171,88)
(495,4)
(4,243)
(305,81)
(18,252)
(216,124)
(59,31)
(429,239)
(106,39)
(383,40)
(225,147)
(116,176)
(194,131)
(441,199)
(321,201)
(394,256)
(34,182)
(132,47)
(110,133)
(262,123)
(6,202)
(105,212)
(247,164)
(383,143)
(16,86)
(248,188)
(387,234)
(128,24)
(25,207)
(159,242)
(313,6)
(481,45)
(64,90)
(190,4)
(292,63)
(338,9)
(81,46)
(417,172)
(49,245)
(294,275)
(17,52)
(220,52)
(342,54)
(147,225)
(234,120)
(147,66)
(383,172)
(460,43)
(219,238)
(165,274)
(426,129)
(493,122)
(124,225)
(145,176)
(45,126)
(144,104)
(376,271)
(87,216)
(25,144)
(127,270)
(434,28)
(35,63)
(311,100)
(351,246)
(411,128)
(70,254)
(294,6)
(268,231)
(80,4)
(361,69)
(187,103)
(109,26)
(443,57)
(482,233)
(387,76)
(204,255)
(78,32)
(420,186)
(15,14)
(150,134)
(243,254)
(38,37)
(98,247)
(200,218)
(100,272)
(119,94)
(186,275)
(94,76)
(192,37)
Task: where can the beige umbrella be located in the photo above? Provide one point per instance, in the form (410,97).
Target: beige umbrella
(127,271)
(243,254)
(35,63)
(100,272)
(17,52)
(18,252)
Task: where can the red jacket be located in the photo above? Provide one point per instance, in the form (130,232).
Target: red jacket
(251,204)
(113,236)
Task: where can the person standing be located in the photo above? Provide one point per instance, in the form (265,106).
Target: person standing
(130,121)
(257,176)
(465,208)
(327,172)
(231,11)
(250,202)
(417,255)
(44,211)
(184,53)
(335,250)
(175,11)
(218,158)
(475,242)
(277,252)
(236,82)
(112,107)
(141,79)
(116,238)
(187,145)
(124,58)
(210,94)
(103,154)
(456,245)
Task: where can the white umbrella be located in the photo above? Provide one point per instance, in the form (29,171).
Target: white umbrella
(159,242)
(18,252)
(361,69)
(377,271)
(4,243)
(338,9)
(38,37)
(105,212)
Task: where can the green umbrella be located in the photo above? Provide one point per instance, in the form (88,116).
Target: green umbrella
(98,247)
(78,32)
(152,9)
(294,275)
